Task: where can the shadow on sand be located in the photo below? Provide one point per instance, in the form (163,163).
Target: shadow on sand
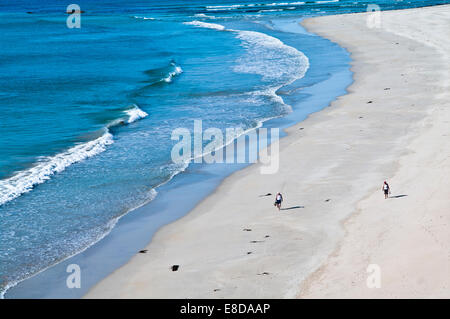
(293,207)
(398,196)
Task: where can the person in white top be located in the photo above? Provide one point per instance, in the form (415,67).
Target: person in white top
(386,189)
(278,200)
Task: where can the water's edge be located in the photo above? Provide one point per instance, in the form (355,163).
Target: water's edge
(134,230)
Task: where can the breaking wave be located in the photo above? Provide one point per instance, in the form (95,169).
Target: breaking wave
(24,181)
(135,114)
(277,63)
(206,25)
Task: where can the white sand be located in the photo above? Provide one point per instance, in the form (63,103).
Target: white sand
(408,237)
(343,154)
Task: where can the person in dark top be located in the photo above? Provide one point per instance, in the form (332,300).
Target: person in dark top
(386,189)
(278,200)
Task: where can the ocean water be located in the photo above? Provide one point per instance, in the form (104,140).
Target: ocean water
(86,115)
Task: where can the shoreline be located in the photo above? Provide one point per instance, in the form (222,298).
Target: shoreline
(354,145)
(135,229)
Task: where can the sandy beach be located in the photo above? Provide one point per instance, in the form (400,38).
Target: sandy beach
(392,125)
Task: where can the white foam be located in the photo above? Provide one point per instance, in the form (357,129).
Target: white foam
(144,18)
(233,6)
(275,61)
(176,71)
(25,181)
(237,6)
(271,93)
(202,15)
(266,55)
(283,4)
(206,25)
(327,1)
(271,58)
(271,10)
(135,114)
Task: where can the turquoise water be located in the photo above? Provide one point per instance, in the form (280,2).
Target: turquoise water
(86,115)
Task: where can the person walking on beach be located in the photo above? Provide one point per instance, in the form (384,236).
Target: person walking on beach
(386,189)
(278,200)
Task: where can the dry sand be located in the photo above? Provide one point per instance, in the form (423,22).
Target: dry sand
(331,173)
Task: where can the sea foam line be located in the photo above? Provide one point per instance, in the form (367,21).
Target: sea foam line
(144,18)
(266,56)
(24,181)
(326,1)
(89,149)
(202,15)
(251,5)
(206,25)
(271,10)
(270,49)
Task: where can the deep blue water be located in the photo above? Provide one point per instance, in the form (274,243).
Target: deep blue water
(86,115)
